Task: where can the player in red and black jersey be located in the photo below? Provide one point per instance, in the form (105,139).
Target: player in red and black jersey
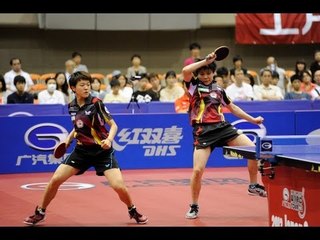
(93,148)
(210,129)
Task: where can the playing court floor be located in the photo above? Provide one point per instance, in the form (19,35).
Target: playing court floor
(161,194)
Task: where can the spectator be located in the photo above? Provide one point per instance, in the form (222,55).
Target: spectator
(300,67)
(307,86)
(3,91)
(15,71)
(125,87)
(96,89)
(182,104)
(239,90)
(296,93)
(63,87)
(172,91)
(237,64)
(267,91)
(136,68)
(143,94)
(115,95)
(315,65)
(195,50)
(69,68)
(77,58)
(51,95)
(20,95)
(224,72)
(155,83)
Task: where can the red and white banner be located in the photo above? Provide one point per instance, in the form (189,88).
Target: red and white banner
(278,28)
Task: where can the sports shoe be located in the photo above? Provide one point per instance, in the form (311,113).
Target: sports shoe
(193,211)
(38,216)
(140,219)
(257,190)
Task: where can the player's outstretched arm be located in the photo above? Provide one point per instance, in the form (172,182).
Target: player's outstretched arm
(237,111)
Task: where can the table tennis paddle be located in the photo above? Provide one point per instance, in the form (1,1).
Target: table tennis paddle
(221,53)
(60,150)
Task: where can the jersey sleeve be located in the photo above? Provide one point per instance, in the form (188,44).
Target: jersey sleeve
(225,100)
(103,111)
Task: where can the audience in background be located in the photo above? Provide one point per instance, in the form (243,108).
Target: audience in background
(126,87)
(296,93)
(16,70)
(20,95)
(136,69)
(143,94)
(77,58)
(315,65)
(155,83)
(172,91)
(267,91)
(195,53)
(63,87)
(3,91)
(69,68)
(239,90)
(96,89)
(237,64)
(51,95)
(115,95)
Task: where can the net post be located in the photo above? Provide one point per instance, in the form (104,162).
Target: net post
(258,146)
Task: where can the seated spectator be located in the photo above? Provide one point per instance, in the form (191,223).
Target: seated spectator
(237,64)
(296,92)
(143,94)
(115,95)
(155,83)
(307,86)
(63,87)
(51,95)
(182,104)
(239,90)
(126,87)
(69,68)
(136,69)
(15,71)
(195,50)
(77,58)
(96,89)
(267,91)
(172,91)
(219,80)
(3,91)
(224,72)
(20,95)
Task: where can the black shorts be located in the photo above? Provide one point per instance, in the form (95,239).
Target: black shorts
(213,135)
(83,157)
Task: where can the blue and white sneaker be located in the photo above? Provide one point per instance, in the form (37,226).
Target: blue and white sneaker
(193,211)
(257,190)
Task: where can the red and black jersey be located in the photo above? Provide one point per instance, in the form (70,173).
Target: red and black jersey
(89,121)
(206,102)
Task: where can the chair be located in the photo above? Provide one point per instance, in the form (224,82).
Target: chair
(289,73)
(43,77)
(98,75)
(255,75)
(35,77)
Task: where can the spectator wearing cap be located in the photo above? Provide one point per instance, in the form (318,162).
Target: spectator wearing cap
(296,93)
(20,95)
(195,50)
(172,91)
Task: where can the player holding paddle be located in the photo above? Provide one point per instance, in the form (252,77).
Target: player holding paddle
(210,129)
(93,148)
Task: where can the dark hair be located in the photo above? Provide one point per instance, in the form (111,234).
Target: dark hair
(237,58)
(77,76)
(114,83)
(212,66)
(275,74)
(47,79)
(170,73)
(4,86)
(11,60)
(74,54)
(64,86)
(19,79)
(135,56)
(223,71)
(295,77)
(194,46)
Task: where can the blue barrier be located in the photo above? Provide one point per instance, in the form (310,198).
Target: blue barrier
(154,107)
(143,141)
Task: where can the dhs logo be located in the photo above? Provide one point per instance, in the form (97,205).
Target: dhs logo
(45,136)
(251,130)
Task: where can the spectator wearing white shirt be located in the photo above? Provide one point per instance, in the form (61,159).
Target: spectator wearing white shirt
(51,95)
(267,91)
(70,66)
(15,71)
(239,90)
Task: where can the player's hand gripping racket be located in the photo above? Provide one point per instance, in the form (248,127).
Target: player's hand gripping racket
(60,150)
(221,53)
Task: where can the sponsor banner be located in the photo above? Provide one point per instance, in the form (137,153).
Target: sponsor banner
(142,141)
(278,28)
(293,197)
(19,110)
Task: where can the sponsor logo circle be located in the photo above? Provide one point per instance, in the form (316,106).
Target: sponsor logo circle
(65,186)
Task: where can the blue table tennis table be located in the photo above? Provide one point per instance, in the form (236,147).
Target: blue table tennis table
(290,171)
